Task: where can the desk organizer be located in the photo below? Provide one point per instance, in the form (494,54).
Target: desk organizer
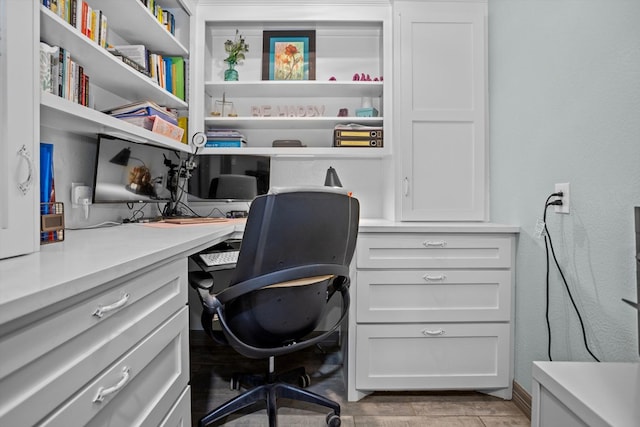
(51,222)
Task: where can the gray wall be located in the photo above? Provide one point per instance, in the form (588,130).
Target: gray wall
(565,107)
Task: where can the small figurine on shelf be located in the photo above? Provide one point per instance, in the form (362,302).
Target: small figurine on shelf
(235,49)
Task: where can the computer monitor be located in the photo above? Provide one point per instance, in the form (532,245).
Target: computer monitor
(129,172)
(227,177)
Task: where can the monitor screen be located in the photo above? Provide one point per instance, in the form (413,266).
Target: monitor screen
(229,177)
(131,172)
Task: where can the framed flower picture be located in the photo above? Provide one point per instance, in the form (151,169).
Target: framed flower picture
(289,55)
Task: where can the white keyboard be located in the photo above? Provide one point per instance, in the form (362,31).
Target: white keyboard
(213,259)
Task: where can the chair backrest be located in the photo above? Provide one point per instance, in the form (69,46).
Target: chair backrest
(290,235)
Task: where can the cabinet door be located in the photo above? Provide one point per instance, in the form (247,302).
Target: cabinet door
(440,95)
(19,155)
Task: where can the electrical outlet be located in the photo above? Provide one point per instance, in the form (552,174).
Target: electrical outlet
(75,193)
(564,187)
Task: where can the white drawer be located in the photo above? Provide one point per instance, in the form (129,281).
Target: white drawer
(411,250)
(145,383)
(433,296)
(62,352)
(432,356)
(180,414)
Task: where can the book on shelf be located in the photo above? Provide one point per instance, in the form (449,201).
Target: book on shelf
(157,125)
(135,52)
(142,109)
(228,143)
(131,63)
(61,75)
(224,134)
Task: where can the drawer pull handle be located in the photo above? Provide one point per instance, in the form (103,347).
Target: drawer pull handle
(432,243)
(24,186)
(106,391)
(439,277)
(432,333)
(102,309)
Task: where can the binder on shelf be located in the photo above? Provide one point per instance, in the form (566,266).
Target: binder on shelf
(355,135)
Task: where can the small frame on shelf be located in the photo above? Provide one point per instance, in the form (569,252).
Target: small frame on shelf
(289,55)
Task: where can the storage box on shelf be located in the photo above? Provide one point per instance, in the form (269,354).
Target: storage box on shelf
(348,39)
(115,83)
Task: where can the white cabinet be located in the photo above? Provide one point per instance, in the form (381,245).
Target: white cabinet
(432,310)
(440,105)
(119,354)
(19,153)
(349,39)
(112,83)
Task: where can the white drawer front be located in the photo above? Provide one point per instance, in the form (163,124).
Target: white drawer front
(433,251)
(140,388)
(180,414)
(45,363)
(432,356)
(433,295)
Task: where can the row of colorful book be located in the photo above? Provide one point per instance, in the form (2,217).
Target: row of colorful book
(165,17)
(61,75)
(79,14)
(167,71)
(151,116)
(229,138)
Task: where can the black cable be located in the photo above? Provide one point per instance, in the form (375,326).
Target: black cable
(547,235)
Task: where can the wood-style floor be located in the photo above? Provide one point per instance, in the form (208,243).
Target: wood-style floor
(212,366)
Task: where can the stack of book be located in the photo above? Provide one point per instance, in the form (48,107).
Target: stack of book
(151,116)
(225,138)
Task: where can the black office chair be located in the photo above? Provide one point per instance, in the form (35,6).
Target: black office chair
(294,256)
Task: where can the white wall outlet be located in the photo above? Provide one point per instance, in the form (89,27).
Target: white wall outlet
(75,193)
(564,187)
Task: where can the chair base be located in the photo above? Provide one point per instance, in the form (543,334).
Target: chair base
(269,393)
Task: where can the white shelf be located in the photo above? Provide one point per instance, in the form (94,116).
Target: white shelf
(329,152)
(103,69)
(284,89)
(243,123)
(133,15)
(59,113)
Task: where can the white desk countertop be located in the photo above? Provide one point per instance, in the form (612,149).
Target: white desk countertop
(605,393)
(88,258)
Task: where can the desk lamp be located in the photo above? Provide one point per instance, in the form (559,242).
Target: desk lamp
(331,179)
(123,156)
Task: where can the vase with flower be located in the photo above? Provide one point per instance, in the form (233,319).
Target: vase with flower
(235,50)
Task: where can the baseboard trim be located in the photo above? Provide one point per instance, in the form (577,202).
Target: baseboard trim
(521,399)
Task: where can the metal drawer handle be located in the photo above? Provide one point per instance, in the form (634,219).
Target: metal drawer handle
(439,243)
(24,186)
(432,333)
(106,391)
(434,278)
(102,309)
(406,186)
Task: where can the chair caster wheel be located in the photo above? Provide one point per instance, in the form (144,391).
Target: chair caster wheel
(333,420)
(234,384)
(304,381)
